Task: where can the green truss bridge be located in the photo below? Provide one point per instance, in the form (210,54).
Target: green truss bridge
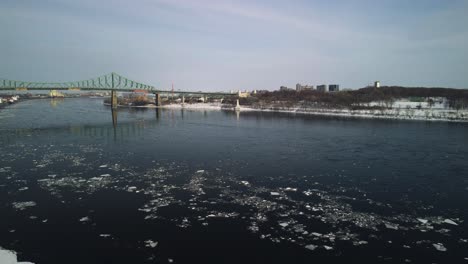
(108,82)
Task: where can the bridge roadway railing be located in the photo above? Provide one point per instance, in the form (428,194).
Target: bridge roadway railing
(109,82)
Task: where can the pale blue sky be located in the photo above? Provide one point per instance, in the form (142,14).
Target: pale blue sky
(224,45)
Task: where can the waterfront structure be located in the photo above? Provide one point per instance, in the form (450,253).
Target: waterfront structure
(56,94)
(333,88)
(322,88)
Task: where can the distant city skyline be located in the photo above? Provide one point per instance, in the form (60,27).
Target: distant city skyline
(237,45)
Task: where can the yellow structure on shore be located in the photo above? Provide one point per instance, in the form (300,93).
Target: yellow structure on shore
(56,94)
(243,94)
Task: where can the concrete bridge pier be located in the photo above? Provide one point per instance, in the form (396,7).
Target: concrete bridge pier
(157,99)
(114,101)
(183,100)
(114,118)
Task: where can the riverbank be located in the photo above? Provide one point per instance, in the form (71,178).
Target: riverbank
(444,115)
(394,113)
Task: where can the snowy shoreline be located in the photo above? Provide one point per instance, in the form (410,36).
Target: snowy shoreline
(394,113)
(397,114)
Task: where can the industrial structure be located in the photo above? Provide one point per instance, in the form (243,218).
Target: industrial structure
(112,82)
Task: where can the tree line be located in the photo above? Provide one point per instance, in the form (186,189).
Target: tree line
(457,98)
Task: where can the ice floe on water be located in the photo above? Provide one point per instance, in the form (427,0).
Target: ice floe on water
(439,247)
(151,244)
(23,205)
(312,216)
(9,257)
(448,221)
(85,219)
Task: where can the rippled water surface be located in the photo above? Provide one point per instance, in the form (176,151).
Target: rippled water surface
(80,184)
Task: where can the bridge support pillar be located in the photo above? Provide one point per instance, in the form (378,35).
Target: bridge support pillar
(157,99)
(114,118)
(183,100)
(114,101)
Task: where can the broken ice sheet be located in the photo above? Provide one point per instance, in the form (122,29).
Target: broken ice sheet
(23,205)
(9,257)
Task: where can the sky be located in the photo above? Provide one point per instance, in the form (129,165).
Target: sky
(223,45)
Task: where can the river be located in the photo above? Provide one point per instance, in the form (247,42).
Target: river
(79,185)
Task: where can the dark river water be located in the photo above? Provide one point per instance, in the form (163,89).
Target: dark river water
(179,186)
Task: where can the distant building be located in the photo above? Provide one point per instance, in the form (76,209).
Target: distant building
(284,88)
(333,88)
(376,84)
(243,94)
(300,87)
(322,88)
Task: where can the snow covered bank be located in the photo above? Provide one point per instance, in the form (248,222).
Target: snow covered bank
(394,113)
(198,106)
(404,114)
(434,114)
